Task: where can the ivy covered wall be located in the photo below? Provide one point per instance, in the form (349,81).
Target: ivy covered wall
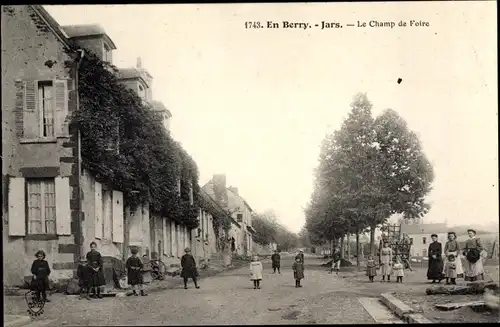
(125,146)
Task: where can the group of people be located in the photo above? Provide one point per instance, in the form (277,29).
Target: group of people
(91,276)
(450,267)
(256,268)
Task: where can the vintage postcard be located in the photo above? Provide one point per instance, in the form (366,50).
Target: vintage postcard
(250,163)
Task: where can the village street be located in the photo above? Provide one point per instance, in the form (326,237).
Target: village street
(227,298)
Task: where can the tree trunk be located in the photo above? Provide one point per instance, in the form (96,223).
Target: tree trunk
(357,246)
(372,239)
(348,247)
(342,248)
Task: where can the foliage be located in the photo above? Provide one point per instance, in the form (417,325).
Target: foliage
(266,229)
(367,170)
(124,145)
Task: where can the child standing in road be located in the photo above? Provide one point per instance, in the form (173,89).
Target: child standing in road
(276,260)
(371,268)
(336,262)
(41,271)
(298,271)
(83,275)
(134,272)
(451,270)
(256,272)
(398,270)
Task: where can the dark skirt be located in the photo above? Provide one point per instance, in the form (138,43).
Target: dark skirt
(298,275)
(189,273)
(276,264)
(40,284)
(96,278)
(435,270)
(134,277)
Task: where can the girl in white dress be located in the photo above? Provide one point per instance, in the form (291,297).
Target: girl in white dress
(398,270)
(256,272)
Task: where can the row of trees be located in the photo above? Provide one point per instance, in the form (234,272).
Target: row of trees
(368,170)
(269,230)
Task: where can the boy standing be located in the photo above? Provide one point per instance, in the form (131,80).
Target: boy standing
(83,275)
(298,271)
(276,260)
(134,272)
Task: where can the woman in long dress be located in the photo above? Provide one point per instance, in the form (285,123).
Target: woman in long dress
(452,248)
(435,268)
(474,266)
(385,261)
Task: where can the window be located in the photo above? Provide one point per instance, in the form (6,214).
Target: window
(46,107)
(239,217)
(142,93)
(106,54)
(411,240)
(424,252)
(424,240)
(41,201)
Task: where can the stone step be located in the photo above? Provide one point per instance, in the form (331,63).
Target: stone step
(378,312)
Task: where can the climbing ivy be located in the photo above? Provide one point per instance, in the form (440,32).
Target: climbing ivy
(125,145)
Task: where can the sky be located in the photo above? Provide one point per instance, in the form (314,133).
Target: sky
(255,104)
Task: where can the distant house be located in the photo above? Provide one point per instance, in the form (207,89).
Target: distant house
(230,199)
(420,234)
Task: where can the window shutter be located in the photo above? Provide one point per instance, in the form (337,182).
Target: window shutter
(17,207)
(61,108)
(98,210)
(31,114)
(117,217)
(63,213)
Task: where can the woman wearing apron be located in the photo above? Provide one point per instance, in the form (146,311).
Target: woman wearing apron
(474,266)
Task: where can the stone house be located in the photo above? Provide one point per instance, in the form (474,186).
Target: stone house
(205,240)
(40,177)
(50,202)
(241,212)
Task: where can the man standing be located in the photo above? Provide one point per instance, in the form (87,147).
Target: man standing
(189,270)
(276,260)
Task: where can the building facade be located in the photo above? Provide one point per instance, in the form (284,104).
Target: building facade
(50,202)
(230,199)
(40,163)
(420,234)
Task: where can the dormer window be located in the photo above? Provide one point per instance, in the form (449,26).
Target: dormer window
(142,93)
(106,54)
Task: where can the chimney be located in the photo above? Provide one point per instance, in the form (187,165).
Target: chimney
(233,189)
(139,63)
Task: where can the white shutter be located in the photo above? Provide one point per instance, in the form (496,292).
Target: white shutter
(17,207)
(31,116)
(117,217)
(63,212)
(98,210)
(61,108)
